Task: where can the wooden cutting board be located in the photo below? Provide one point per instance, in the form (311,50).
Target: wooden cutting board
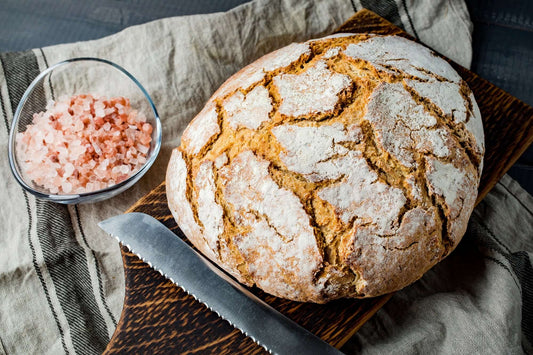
(158,317)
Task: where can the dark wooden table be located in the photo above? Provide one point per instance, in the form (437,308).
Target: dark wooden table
(158,317)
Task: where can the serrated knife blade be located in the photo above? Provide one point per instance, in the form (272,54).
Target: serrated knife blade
(167,253)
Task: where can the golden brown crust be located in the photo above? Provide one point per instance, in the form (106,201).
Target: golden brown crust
(331,168)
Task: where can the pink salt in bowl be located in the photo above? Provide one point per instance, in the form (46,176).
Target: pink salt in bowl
(84,131)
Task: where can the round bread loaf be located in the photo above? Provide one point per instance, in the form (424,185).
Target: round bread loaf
(345,166)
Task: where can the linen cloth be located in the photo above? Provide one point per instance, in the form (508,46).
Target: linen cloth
(61,277)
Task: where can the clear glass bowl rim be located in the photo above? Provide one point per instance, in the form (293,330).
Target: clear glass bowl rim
(86,196)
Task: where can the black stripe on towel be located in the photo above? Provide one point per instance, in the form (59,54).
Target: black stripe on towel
(521,264)
(67,265)
(410,19)
(353,6)
(387,9)
(98,272)
(64,257)
(19,69)
(521,273)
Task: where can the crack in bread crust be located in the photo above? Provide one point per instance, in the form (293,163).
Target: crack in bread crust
(327,246)
(438,203)
(398,248)
(457,133)
(231,229)
(264,217)
(190,189)
(465,93)
(203,151)
(387,167)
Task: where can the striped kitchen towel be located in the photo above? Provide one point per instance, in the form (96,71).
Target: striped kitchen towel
(61,277)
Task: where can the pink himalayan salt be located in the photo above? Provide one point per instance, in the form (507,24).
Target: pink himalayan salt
(84,143)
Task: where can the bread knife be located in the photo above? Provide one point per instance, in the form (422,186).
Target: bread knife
(167,253)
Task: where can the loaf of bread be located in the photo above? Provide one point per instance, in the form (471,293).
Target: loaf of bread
(345,166)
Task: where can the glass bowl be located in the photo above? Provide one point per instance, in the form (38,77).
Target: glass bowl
(94,76)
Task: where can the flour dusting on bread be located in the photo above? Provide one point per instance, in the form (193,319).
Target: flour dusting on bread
(201,129)
(248,110)
(391,54)
(209,211)
(309,150)
(313,91)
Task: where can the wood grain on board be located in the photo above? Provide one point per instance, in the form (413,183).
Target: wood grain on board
(158,317)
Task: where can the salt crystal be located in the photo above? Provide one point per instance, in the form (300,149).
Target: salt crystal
(142,148)
(99,112)
(78,126)
(147,128)
(97,149)
(116,170)
(63,153)
(69,169)
(66,186)
(49,138)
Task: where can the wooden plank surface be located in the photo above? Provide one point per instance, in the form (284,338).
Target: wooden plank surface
(158,317)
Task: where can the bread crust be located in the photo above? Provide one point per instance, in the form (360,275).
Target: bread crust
(345,166)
